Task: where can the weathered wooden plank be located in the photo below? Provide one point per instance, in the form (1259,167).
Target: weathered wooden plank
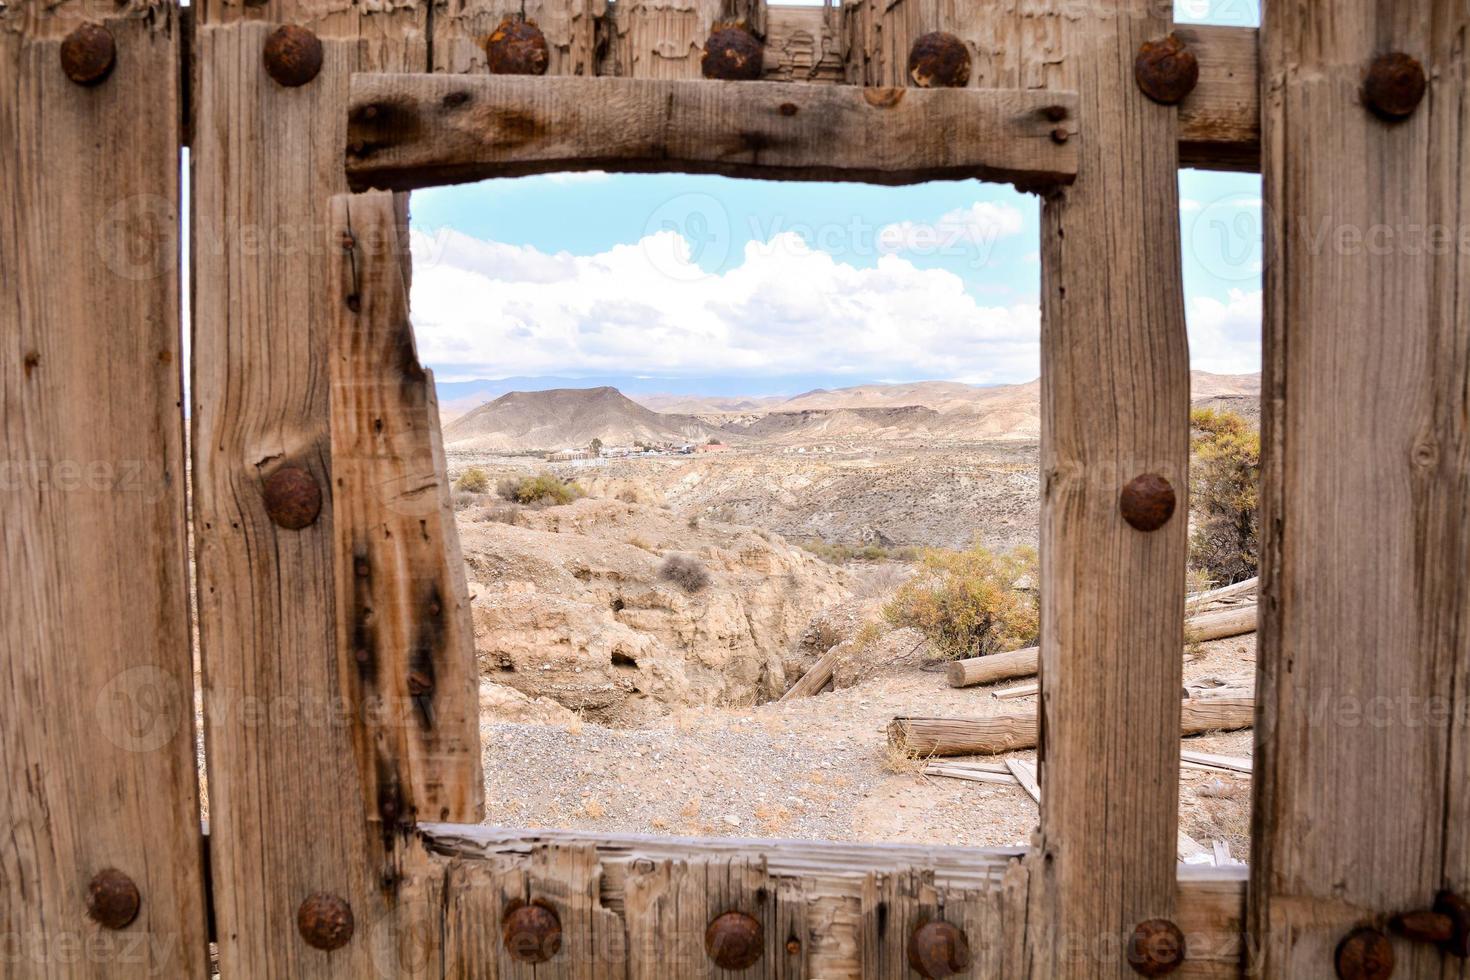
(1361,773)
(404,636)
(804,44)
(459,29)
(852,907)
(411,131)
(97,744)
(287,814)
(1220,121)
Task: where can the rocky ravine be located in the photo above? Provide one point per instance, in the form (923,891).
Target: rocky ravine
(569,605)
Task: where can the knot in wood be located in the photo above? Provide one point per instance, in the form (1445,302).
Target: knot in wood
(1365,954)
(732,54)
(517,47)
(1166,71)
(1156,948)
(939,60)
(1147,502)
(292,498)
(1395,86)
(939,949)
(325,921)
(292,55)
(88,54)
(112,899)
(734,941)
(531,933)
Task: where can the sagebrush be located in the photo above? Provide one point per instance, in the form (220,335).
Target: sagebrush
(685,571)
(1225,472)
(971,603)
(473,480)
(541,488)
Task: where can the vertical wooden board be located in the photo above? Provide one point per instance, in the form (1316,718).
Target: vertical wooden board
(665,38)
(1361,776)
(1115,406)
(97,743)
(404,637)
(287,814)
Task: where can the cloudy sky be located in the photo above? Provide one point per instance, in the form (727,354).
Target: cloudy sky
(698,283)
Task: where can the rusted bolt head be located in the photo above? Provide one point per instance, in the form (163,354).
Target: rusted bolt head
(1365,954)
(1147,502)
(939,949)
(1395,86)
(293,55)
(939,60)
(1457,910)
(325,921)
(88,54)
(517,47)
(734,941)
(1156,948)
(292,498)
(112,899)
(1166,70)
(732,54)
(532,933)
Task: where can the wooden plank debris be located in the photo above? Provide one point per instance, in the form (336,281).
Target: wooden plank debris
(1026,776)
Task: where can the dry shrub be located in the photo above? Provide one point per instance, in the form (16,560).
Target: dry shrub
(685,571)
(473,480)
(1225,469)
(966,603)
(542,488)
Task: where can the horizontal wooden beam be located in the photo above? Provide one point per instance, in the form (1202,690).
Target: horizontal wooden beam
(411,131)
(1220,121)
(834,910)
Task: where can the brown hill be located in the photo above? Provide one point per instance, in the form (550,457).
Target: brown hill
(567,418)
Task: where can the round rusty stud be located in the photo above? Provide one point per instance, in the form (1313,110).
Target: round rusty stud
(293,55)
(88,54)
(1147,502)
(1156,948)
(938,949)
(1166,71)
(1364,954)
(517,47)
(292,498)
(734,941)
(1395,86)
(732,54)
(325,921)
(531,933)
(1457,910)
(939,60)
(112,899)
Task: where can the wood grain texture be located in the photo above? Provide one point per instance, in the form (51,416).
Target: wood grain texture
(851,906)
(408,131)
(97,739)
(1220,121)
(458,30)
(287,814)
(404,637)
(1361,774)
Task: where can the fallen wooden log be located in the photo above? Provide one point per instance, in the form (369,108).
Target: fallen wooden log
(1013,731)
(1222,763)
(970,773)
(1195,604)
(1023,663)
(818,677)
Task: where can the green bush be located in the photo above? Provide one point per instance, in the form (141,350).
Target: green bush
(541,488)
(473,480)
(967,604)
(1225,471)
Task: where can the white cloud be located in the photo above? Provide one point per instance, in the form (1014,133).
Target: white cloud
(488,309)
(971,231)
(1226,337)
(1187,204)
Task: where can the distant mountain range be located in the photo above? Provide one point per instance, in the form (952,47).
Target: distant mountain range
(940,411)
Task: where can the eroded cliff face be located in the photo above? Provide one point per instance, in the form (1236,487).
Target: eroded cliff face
(570,604)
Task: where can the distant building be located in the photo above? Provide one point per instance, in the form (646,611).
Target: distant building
(569,455)
(712,447)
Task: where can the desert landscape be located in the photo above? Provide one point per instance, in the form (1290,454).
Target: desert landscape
(652,577)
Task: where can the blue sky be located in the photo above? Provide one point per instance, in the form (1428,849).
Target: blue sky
(706,284)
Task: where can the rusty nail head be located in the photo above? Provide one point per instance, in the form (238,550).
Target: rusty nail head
(938,949)
(1364,954)
(325,921)
(734,940)
(1446,926)
(732,54)
(420,683)
(531,932)
(88,54)
(112,899)
(1156,948)
(793,946)
(1060,135)
(1147,502)
(292,498)
(1166,71)
(517,47)
(1423,926)
(1395,86)
(293,55)
(939,60)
